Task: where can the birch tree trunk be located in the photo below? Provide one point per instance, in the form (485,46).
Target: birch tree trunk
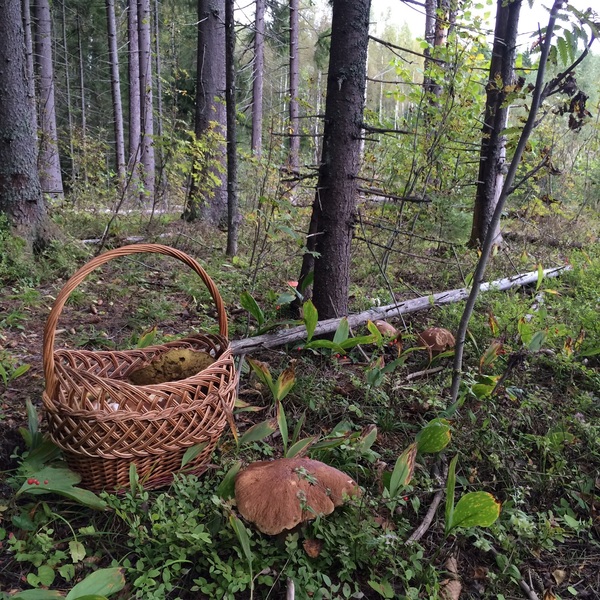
(147,117)
(21,197)
(492,156)
(258,77)
(115,88)
(135,125)
(48,158)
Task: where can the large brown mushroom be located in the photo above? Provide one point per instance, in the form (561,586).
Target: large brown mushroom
(436,340)
(278,495)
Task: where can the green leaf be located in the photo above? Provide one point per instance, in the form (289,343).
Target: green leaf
(226,488)
(147,339)
(285,382)
(301,446)
(403,470)
(282,423)
(310,317)
(540,277)
(368,440)
(20,371)
(434,437)
(192,452)
(383,588)
(285,298)
(259,431)
(77,551)
(378,338)
(261,370)
(537,341)
(308,280)
(103,582)
(450,486)
(482,390)
(342,332)
(316,344)
(475,509)
(250,304)
(355,341)
(242,534)
(62,481)
(37,595)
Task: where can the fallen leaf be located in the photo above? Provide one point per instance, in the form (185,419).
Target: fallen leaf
(312,547)
(480,573)
(548,595)
(559,576)
(451,589)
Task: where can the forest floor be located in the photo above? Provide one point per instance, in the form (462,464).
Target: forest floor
(533,443)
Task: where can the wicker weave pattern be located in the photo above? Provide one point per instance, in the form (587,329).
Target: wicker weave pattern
(104,423)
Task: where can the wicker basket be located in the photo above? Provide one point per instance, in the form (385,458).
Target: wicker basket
(104,423)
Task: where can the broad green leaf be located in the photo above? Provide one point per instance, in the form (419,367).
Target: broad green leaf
(537,341)
(249,303)
(383,588)
(475,509)
(301,446)
(147,339)
(403,470)
(62,481)
(342,332)
(285,382)
(226,488)
(316,344)
(450,485)
(482,390)
(241,406)
(242,535)
(285,298)
(41,455)
(434,437)
(356,341)
(282,423)
(490,355)
(308,280)
(192,452)
(77,551)
(261,370)
(369,439)
(20,371)
(103,582)
(298,427)
(378,338)
(311,318)
(259,431)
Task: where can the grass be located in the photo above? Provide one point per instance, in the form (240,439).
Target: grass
(532,443)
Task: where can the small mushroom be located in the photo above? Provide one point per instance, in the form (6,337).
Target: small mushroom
(389,332)
(278,495)
(437,340)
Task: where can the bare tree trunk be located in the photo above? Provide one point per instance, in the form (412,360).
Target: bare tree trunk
(210,202)
(21,197)
(68,90)
(159,103)
(29,68)
(49,159)
(294,139)
(232,197)
(83,103)
(492,157)
(135,123)
(115,88)
(147,117)
(258,77)
(332,222)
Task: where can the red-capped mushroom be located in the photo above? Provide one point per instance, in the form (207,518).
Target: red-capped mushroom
(278,495)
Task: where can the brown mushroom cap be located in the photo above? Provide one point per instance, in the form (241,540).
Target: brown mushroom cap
(386,329)
(437,339)
(277,495)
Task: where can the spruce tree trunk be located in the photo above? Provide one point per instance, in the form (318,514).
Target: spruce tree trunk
(232,197)
(160,166)
(146,101)
(21,197)
(492,157)
(115,88)
(83,160)
(258,77)
(135,124)
(208,201)
(29,67)
(334,208)
(68,91)
(294,91)
(49,159)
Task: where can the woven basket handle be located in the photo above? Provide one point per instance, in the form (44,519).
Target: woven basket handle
(83,272)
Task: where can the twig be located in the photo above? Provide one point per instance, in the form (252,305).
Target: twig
(529,592)
(418,374)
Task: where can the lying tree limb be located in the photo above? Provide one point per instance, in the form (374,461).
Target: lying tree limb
(288,336)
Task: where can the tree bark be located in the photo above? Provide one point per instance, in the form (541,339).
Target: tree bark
(492,157)
(258,77)
(332,221)
(232,197)
(135,123)
(29,68)
(294,91)
(146,101)
(21,197)
(115,88)
(160,166)
(210,202)
(83,160)
(48,158)
(68,91)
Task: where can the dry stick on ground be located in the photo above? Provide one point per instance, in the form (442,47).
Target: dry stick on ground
(294,334)
(539,93)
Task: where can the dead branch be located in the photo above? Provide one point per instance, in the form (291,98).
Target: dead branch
(293,334)
(378,192)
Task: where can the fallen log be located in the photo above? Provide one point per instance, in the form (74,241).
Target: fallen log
(293,334)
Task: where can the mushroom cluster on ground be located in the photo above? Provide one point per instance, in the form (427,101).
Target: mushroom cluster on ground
(278,495)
